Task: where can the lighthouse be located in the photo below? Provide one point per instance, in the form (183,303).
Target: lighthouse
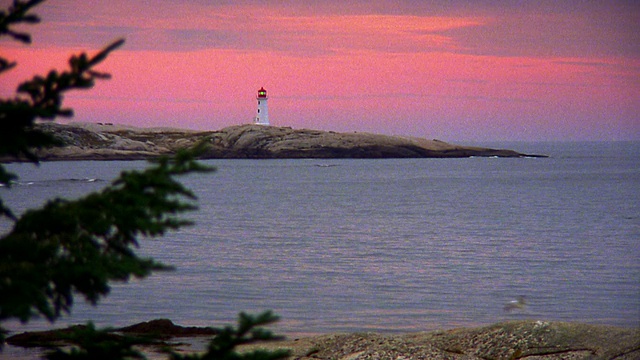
(262,116)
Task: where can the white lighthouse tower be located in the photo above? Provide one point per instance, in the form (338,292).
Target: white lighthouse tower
(262,116)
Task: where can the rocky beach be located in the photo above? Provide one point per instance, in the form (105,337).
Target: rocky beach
(511,340)
(83,141)
(528,339)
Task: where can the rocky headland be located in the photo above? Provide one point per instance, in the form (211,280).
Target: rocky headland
(83,141)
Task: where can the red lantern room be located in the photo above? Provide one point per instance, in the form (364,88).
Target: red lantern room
(262,113)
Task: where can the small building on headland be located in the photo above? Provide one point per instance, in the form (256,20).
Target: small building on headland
(262,115)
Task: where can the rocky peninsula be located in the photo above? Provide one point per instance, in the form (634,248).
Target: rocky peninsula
(83,141)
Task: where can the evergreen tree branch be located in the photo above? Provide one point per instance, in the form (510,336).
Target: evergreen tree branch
(81,246)
(42,98)
(92,344)
(16,14)
(250,330)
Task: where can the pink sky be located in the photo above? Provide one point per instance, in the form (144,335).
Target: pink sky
(489,70)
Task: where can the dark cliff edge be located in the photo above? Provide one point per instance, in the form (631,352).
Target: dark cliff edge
(114,142)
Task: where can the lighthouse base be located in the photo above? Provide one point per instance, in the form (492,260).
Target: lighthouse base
(258,121)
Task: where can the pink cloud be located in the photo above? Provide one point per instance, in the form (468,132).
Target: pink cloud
(444,75)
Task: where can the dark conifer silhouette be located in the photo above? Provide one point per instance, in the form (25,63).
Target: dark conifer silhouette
(70,248)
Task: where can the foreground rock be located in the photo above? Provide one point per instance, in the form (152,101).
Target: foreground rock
(112,142)
(511,340)
(160,329)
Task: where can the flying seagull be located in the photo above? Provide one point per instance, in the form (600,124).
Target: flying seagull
(517,304)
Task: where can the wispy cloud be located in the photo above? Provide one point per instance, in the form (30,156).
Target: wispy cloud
(195,27)
(584,63)
(563,29)
(409,62)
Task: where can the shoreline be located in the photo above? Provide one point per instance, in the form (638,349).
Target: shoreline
(505,340)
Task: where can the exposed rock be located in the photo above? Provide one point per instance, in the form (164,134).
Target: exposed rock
(254,141)
(537,340)
(112,142)
(44,338)
(166,328)
(159,329)
(512,340)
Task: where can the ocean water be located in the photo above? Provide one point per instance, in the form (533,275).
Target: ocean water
(393,245)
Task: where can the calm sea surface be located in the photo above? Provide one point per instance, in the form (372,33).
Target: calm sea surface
(384,245)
